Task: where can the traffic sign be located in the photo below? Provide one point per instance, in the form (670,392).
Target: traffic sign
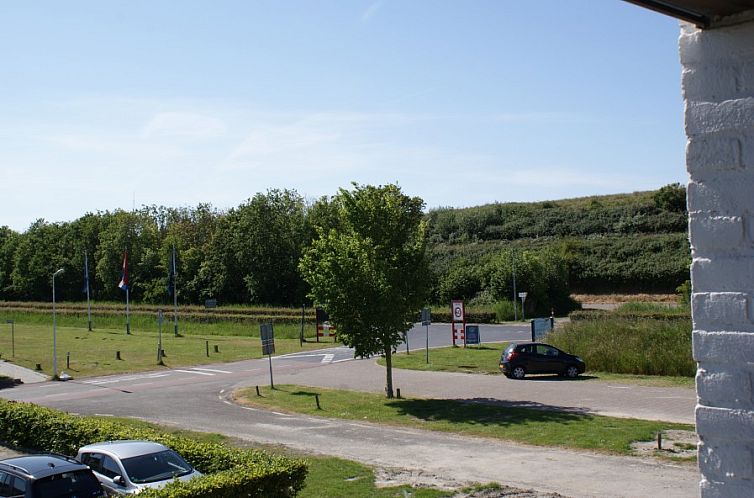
(457,309)
(426,317)
(268,338)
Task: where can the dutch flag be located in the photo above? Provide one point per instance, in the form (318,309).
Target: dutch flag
(124,273)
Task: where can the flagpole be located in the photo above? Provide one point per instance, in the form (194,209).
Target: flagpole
(125,285)
(88,302)
(175,296)
(128,317)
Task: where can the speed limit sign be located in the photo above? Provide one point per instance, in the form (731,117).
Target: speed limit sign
(457,309)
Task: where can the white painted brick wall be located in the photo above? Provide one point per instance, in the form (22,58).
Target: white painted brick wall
(718,86)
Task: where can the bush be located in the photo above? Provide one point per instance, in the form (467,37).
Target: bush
(472,316)
(505,312)
(231,472)
(639,346)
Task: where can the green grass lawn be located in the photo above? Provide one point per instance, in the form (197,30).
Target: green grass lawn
(94,353)
(484,359)
(537,427)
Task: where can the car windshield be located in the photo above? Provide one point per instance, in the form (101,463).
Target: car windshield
(76,484)
(156,467)
(507,350)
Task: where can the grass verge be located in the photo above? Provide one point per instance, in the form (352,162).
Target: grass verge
(328,477)
(484,359)
(94,353)
(524,425)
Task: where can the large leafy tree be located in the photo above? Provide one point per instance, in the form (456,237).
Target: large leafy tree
(370,273)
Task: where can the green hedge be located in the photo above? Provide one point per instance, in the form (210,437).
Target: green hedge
(471,316)
(230,472)
(590,315)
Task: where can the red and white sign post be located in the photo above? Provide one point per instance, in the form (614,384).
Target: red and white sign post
(458,321)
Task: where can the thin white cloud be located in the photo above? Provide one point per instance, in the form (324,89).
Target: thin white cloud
(183,124)
(370,11)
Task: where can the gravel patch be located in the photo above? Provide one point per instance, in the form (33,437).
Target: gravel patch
(397,477)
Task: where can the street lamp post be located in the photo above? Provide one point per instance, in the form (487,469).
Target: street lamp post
(54,329)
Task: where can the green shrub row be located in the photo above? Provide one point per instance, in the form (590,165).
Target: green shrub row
(231,473)
(472,316)
(592,315)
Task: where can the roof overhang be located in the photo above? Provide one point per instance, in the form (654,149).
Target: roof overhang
(703,13)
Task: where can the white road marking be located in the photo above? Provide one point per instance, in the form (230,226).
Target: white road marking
(211,370)
(327,358)
(103,415)
(619,387)
(125,379)
(194,372)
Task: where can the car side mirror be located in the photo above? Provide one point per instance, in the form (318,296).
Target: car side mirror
(119,480)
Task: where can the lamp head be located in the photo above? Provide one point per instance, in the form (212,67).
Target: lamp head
(58,272)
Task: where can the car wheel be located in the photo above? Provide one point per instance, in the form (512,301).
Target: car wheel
(518,372)
(572,372)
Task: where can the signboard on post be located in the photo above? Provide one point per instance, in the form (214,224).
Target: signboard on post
(540,327)
(324,327)
(472,334)
(426,319)
(268,344)
(458,321)
(457,308)
(268,338)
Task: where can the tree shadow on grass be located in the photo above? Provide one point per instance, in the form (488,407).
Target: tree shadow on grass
(486,411)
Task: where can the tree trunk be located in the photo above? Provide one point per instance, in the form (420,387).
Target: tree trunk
(389,372)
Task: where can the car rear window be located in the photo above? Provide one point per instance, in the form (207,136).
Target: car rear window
(75,484)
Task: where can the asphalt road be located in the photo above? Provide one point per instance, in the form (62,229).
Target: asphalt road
(199,398)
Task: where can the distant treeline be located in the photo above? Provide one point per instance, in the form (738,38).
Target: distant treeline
(250,254)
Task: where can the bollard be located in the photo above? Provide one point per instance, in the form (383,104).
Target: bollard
(68,360)
(316,398)
(258,391)
(217,348)
(398,391)
(659,440)
(117,355)
(39,367)
(206,345)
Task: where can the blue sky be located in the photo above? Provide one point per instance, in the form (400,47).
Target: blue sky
(462,103)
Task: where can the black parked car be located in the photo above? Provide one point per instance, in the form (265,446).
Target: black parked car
(47,476)
(520,359)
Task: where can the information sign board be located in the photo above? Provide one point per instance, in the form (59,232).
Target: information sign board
(426,317)
(268,338)
(540,327)
(472,334)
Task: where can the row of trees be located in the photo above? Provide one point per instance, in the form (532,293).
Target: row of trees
(247,254)
(250,254)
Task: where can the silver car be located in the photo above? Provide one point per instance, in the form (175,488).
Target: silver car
(128,467)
